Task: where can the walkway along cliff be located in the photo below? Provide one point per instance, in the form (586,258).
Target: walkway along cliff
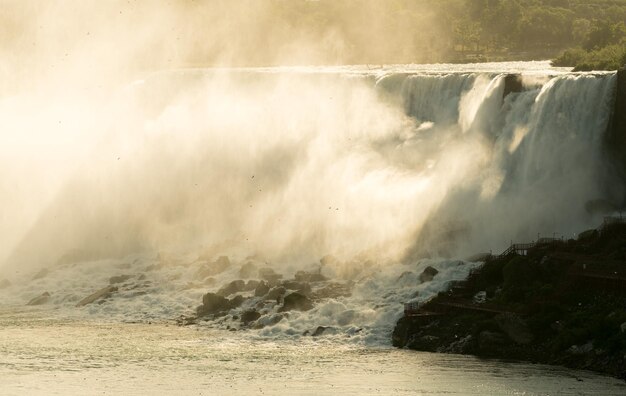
(560,303)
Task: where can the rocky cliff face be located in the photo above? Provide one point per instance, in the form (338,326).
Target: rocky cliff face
(563,303)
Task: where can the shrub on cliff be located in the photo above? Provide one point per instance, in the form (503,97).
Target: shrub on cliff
(611,57)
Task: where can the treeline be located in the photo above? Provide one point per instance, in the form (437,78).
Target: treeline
(587,34)
(583,33)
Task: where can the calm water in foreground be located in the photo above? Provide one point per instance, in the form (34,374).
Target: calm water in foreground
(42,354)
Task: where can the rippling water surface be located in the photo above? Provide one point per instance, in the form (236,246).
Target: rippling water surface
(42,354)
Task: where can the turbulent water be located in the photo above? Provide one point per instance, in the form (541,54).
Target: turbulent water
(382,171)
(40,355)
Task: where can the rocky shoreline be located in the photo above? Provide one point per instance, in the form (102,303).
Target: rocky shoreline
(562,303)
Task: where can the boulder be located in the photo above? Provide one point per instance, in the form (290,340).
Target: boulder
(269,320)
(319,331)
(39,300)
(251,285)
(213,303)
(514,327)
(301,287)
(581,349)
(424,343)
(303,276)
(236,302)
(4,283)
(119,279)
(102,293)
(249,316)
(480,297)
(261,289)
(248,270)
(231,288)
(296,301)
(334,290)
(489,341)
(276,293)
(428,274)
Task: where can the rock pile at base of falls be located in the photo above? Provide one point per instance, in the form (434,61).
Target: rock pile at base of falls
(100,294)
(215,304)
(40,300)
(428,274)
(296,301)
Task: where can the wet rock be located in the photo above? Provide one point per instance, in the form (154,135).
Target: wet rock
(40,300)
(261,289)
(185,320)
(269,320)
(4,283)
(119,279)
(581,349)
(460,346)
(296,301)
(303,276)
(100,294)
(514,327)
(236,302)
(233,287)
(214,268)
(301,287)
(489,341)
(424,343)
(248,270)
(249,316)
(251,285)
(269,275)
(334,290)
(41,274)
(319,331)
(480,297)
(276,293)
(428,274)
(213,303)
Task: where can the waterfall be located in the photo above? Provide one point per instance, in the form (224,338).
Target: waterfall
(295,164)
(382,173)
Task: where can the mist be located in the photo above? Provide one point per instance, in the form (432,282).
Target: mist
(117,139)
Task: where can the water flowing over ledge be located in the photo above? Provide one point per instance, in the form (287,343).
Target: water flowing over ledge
(388,170)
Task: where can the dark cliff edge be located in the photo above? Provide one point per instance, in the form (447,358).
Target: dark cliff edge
(563,303)
(616,134)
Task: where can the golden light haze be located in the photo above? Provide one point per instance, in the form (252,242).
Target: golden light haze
(86,164)
(80,39)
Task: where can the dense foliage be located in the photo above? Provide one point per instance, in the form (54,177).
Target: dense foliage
(591,32)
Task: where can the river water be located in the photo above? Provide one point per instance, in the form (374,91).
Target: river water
(43,354)
(365,176)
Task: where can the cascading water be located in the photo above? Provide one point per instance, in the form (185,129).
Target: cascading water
(388,171)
